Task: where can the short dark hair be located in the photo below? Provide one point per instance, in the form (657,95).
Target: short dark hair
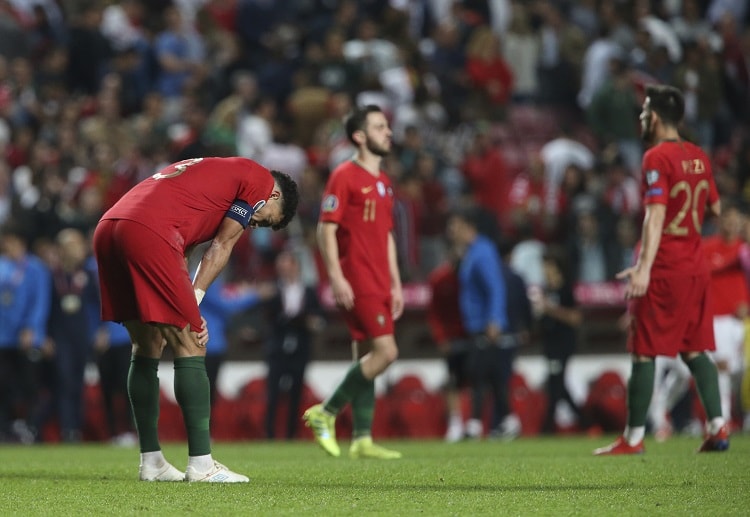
(667,101)
(358,118)
(290,196)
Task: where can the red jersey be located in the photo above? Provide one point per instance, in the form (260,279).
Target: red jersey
(185,202)
(443,313)
(728,286)
(678,175)
(362,205)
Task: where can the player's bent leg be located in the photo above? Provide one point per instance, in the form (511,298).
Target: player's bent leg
(144,394)
(193,394)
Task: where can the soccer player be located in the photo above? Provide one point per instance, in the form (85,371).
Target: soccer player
(668,287)
(359,251)
(730,301)
(141,246)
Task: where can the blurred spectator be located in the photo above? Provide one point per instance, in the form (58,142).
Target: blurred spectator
(433,215)
(254,131)
(373,54)
(530,201)
(489,74)
(730,296)
(611,114)
(107,125)
(522,51)
(179,52)
(13,39)
(486,172)
(482,302)
(447,331)
(526,257)
(700,81)
(559,153)
(24,308)
(621,193)
(447,61)
(296,316)
(505,423)
(88,49)
(559,319)
(283,153)
(563,45)
(334,71)
(690,26)
(74,288)
(592,256)
(627,238)
(596,66)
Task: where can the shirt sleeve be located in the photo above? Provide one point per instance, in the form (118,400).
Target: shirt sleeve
(256,190)
(654,180)
(335,199)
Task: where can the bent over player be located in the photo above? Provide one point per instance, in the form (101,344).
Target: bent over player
(359,251)
(668,287)
(141,246)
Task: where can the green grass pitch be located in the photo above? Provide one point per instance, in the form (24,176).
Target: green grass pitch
(530,476)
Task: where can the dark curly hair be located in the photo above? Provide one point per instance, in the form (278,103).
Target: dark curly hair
(290,196)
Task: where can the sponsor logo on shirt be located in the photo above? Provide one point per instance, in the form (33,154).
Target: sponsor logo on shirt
(367,190)
(652,176)
(330,203)
(654,192)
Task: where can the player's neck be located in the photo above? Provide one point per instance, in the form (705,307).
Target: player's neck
(668,134)
(368,161)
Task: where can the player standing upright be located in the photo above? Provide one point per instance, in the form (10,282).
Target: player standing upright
(141,246)
(359,251)
(668,287)
(730,301)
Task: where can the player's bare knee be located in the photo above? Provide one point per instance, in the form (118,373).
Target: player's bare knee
(183,342)
(146,339)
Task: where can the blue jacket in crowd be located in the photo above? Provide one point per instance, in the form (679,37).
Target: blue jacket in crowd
(482,287)
(217,308)
(25,288)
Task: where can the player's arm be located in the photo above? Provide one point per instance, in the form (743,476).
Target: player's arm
(216,255)
(397,293)
(329,250)
(640,274)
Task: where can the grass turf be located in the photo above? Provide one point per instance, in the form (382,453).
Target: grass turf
(533,476)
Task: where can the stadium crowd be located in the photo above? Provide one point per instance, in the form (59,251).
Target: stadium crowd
(527,109)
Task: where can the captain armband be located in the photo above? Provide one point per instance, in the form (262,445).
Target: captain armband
(241,212)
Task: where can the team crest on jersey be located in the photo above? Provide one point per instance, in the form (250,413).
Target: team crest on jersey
(330,203)
(381,188)
(257,206)
(652,176)
(380,319)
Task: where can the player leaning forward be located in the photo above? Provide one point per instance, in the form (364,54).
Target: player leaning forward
(668,287)
(141,245)
(355,240)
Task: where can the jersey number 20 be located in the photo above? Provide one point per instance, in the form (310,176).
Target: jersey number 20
(692,204)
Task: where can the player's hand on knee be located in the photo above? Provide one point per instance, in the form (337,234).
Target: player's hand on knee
(203,334)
